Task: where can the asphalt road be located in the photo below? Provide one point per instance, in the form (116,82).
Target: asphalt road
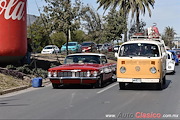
(82,102)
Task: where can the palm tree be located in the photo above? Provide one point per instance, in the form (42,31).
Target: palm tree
(168,36)
(140,6)
(126,6)
(124,11)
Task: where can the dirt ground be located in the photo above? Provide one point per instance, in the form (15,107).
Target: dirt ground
(38,60)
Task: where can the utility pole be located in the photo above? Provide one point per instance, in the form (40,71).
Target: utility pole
(69,25)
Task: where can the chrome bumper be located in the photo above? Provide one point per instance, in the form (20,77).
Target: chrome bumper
(130,80)
(71,78)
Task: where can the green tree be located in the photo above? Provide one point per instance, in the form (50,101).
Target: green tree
(93,24)
(133,29)
(64,16)
(168,36)
(58,38)
(39,35)
(115,25)
(78,36)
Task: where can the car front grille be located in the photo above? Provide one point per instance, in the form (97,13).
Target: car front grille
(72,74)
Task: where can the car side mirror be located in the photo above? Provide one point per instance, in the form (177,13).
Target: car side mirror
(116,54)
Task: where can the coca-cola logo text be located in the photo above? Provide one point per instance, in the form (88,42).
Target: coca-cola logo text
(14,9)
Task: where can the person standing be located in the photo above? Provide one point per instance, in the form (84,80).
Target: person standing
(29,50)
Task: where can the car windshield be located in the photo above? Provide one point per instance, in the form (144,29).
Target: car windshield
(70,44)
(86,44)
(82,59)
(49,48)
(99,46)
(139,49)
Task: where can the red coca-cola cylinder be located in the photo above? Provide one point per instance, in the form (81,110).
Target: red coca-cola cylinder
(13,30)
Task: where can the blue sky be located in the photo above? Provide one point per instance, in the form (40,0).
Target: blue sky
(165,13)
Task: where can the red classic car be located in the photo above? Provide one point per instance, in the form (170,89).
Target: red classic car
(83,68)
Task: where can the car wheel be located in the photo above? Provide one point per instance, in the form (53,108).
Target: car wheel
(114,78)
(164,80)
(99,83)
(55,86)
(122,86)
(159,85)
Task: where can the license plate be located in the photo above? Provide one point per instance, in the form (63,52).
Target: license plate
(136,80)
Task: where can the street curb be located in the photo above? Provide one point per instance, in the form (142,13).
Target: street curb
(20,88)
(14,89)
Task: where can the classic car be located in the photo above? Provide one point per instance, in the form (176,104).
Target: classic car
(83,68)
(50,49)
(72,46)
(142,60)
(170,63)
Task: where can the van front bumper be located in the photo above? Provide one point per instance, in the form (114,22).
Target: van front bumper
(138,80)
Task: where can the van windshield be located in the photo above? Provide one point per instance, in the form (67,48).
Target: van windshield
(139,49)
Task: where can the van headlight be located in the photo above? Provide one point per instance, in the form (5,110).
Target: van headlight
(153,70)
(122,69)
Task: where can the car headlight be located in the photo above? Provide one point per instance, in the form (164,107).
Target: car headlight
(169,67)
(89,48)
(88,74)
(55,74)
(95,73)
(153,70)
(122,69)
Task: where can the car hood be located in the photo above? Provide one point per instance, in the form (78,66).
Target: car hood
(77,67)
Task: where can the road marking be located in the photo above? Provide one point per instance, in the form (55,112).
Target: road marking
(107,88)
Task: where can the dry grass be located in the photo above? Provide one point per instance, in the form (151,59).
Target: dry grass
(8,82)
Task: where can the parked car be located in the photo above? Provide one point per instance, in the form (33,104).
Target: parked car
(88,47)
(175,57)
(116,48)
(83,68)
(177,52)
(100,47)
(72,46)
(50,49)
(110,48)
(106,45)
(170,63)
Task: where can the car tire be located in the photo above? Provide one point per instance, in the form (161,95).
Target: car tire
(159,86)
(164,80)
(55,86)
(114,78)
(122,86)
(99,83)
